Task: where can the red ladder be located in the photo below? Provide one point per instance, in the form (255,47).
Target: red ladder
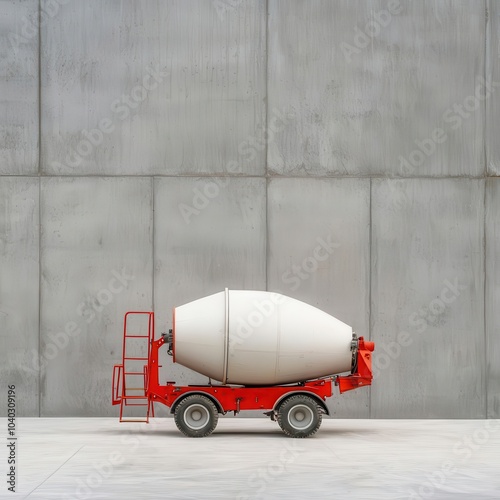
(136,395)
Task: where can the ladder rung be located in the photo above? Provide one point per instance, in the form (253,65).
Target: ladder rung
(130,420)
(137,336)
(137,359)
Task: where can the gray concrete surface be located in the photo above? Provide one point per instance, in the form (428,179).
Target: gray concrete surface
(361,102)
(491,299)
(19,289)
(271,99)
(206,84)
(249,459)
(19,87)
(493,73)
(427,298)
(96,263)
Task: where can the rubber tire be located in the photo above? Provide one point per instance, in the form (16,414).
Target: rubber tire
(284,411)
(184,405)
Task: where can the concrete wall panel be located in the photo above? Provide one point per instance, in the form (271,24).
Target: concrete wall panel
(96,252)
(492,294)
(18,87)
(366,83)
(168,87)
(319,253)
(200,251)
(493,76)
(19,278)
(428,298)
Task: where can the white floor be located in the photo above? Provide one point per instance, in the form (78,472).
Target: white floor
(251,458)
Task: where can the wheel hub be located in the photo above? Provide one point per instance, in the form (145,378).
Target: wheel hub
(196,417)
(300,417)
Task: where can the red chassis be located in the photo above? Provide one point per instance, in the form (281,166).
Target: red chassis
(226,398)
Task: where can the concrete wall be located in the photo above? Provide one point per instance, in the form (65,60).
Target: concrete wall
(152,153)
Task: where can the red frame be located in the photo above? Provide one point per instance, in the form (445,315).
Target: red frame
(234,398)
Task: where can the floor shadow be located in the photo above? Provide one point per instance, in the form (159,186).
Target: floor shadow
(344,431)
(264,433)
(176,433)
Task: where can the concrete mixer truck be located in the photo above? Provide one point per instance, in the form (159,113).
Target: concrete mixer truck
(259,351)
